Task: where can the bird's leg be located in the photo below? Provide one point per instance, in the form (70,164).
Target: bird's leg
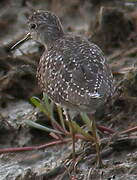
(97,145)
(73,141)
(72,132)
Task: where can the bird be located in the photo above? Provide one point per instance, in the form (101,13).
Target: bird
(72,71)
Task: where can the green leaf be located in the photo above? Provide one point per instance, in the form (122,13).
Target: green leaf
(79,130)
(44,128)
(86,120)
(60,113)
(37,102)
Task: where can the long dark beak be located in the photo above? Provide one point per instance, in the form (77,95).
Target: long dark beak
(27,37)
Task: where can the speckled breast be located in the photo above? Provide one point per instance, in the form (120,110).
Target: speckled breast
(75,74)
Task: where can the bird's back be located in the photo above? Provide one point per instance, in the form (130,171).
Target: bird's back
(74,73)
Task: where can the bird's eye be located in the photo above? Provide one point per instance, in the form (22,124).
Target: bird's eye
(33,26)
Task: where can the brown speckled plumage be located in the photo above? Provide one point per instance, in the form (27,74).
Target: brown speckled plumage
(72,71)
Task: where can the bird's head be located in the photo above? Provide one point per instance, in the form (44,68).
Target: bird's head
(44,27)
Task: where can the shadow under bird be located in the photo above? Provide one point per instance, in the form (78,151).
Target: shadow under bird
(72,71)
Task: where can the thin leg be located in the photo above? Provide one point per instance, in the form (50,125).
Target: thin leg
(73,141)
(94,129)
(72,132)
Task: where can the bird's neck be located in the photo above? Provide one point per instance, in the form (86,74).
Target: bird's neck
(52,38)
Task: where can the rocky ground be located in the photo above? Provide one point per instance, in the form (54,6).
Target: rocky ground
(111,25)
